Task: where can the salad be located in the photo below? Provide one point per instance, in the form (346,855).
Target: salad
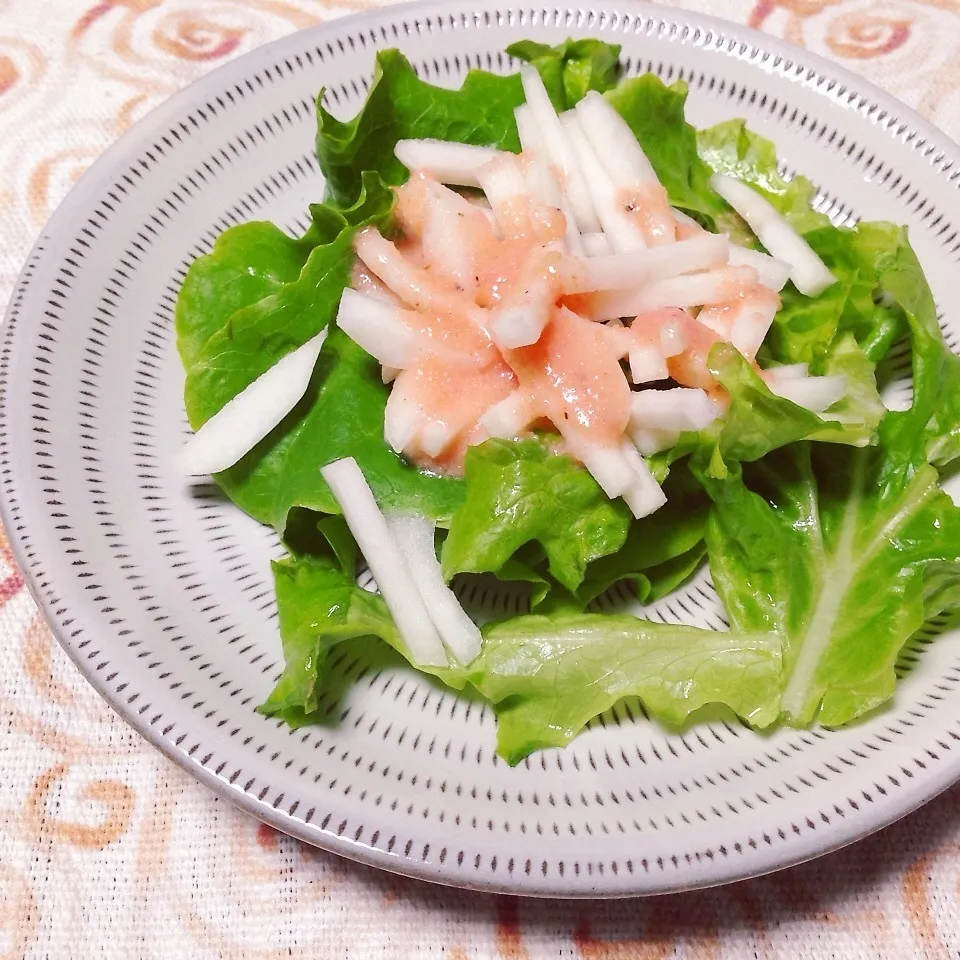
(543,330)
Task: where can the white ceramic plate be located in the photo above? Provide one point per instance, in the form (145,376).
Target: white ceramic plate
(163,597)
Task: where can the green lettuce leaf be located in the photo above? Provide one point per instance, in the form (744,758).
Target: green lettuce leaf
(759,421)
(831,548)
(664,578)
(847,553)
(261,331)
(341,413)
(516,571)
(521,491)
(881,291)
(548,676)
(248,262)
(661,550)
(935,413)
(861,304)
(860,411)
(571,69)
(319,606)
(254,260)
(401,106)
(864,258)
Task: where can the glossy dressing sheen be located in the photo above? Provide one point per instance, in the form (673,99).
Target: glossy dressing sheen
(459,374)
(573,377)
(459,264)
(649,209)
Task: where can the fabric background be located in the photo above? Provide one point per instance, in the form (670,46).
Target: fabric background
(108,850)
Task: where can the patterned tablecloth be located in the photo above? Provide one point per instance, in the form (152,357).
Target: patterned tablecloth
(108,850)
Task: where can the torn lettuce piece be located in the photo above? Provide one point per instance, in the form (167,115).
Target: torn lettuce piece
(731,149)
(571,69)
(319,606)
(831,548)
(865,261)
(847,553)
(758,421)
(297,305)
(660,550)
(548,676)
(519,491)
(935,413)
(854,418)
(400,106)
(248,262)
(252,261)
(342,411)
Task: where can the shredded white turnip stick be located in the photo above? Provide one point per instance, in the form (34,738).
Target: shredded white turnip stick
(415,538)
(808,272)
(643,496)
(680,408)
(607,466)
(771,272)
(621,154)
(452,163)
(814,393)
(787,371)
(693,290)
(595,245)
(245,420)
(621,230)
(386,562)
(623,159)
(377,328)
(649,441)
(559,151)
(509,417)
(504,185)
(647,364)
(621,271)
(402,418)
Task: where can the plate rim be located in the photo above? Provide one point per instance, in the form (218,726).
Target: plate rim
(911,796)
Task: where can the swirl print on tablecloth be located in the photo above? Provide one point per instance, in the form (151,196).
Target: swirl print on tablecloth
(100,836)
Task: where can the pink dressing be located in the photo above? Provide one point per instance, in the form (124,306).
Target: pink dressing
(688,229)
(573,375)
(549,225)
(722,316)
(456,276)
(690,367)
(414,284)
(365,281)
(462,342)
(650,209)
(459,374)
(411,208)
(455,397)
(645,329)
(502,261)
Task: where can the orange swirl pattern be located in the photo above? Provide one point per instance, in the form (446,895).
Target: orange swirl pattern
(108,850)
